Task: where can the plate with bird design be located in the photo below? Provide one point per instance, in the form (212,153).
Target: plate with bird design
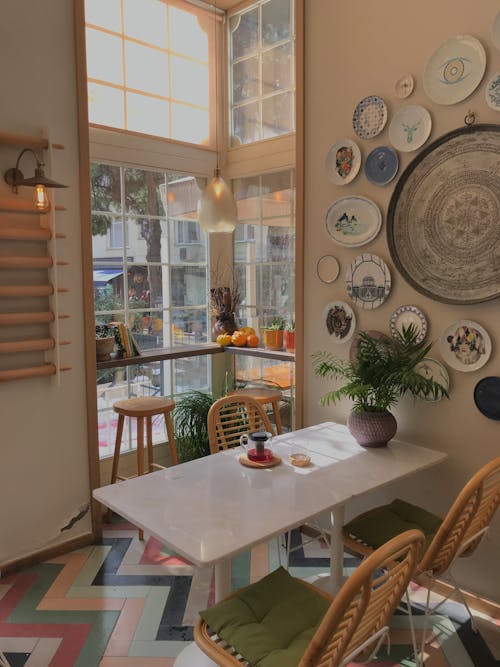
(410,128)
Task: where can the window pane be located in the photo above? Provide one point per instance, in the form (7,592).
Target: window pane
(106,14)
(146,20)
(246,192)
(276,195)
(278,244)
(104,57)
(189,81)
(105,187)
(148,115)
(146,69)
(276,69)
(191,373)
(244,33)
(189,286)
(246,124)
(142,195)
(186,36)
(245,80)
(105,106)
(189,326)
(276,115)
(275,21)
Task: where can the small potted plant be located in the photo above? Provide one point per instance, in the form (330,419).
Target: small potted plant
(273,334)
(104,342)
(290,336)
(381,371)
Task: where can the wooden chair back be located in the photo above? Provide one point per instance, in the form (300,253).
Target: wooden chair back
(359,613)
(466,522)
(232,416)
(356,621)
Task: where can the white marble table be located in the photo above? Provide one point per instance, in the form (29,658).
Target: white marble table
(213,508)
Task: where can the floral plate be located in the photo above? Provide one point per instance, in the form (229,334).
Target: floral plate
(340,321)
(343,161)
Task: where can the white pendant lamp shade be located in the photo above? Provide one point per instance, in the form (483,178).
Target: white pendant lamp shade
(216,207)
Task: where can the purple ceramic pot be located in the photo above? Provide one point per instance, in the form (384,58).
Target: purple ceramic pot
(372,429)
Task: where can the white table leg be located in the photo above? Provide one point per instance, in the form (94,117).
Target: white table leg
(222,579)
(336,548)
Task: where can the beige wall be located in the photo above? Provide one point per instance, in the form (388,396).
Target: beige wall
(354,49)
(44,467)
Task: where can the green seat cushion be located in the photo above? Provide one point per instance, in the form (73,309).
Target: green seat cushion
(271,622)
(383,523)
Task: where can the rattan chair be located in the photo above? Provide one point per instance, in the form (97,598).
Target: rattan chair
(232,416)
(355,623)
(457,535)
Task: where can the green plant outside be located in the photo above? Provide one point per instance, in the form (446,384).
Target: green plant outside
(382,372)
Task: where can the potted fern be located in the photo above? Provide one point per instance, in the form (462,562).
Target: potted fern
(382,371)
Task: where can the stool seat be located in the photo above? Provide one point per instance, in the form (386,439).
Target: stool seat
(264,395)
(146,406)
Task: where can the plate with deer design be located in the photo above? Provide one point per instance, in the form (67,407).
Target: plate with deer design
(410,128)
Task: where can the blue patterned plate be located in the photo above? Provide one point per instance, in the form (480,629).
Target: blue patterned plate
(492,92)
(369,117)
(381,165)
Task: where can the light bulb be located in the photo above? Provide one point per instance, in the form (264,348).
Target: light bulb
(41,199)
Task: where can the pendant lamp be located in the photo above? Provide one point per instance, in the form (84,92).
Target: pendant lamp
(217,207)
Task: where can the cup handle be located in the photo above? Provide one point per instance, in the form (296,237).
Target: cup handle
(244,442)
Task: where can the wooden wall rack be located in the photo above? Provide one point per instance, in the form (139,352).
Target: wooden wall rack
(14,231)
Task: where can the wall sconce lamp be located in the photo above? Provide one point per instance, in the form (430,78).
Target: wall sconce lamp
(15,177)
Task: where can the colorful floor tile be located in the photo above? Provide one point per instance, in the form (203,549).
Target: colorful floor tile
(127,603)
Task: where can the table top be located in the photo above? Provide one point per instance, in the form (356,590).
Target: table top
(212,508)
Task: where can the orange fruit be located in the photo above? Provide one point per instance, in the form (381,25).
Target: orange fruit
(239,338)
(248,331)
(252,340)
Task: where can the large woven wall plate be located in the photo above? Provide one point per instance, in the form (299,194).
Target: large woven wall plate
(443,224)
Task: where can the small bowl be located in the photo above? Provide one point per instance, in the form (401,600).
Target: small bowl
(300,460)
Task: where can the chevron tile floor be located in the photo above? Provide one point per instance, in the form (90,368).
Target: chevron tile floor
(127,603)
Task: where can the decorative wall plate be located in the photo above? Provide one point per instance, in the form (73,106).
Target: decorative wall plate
(487,397)
(465,346)
(433,370)
(410,128)
(340,321)
(492,92)
(373,333)
(495,31)
(369,117)
(353,221)
(442,223)
(343,161)
(404,316)
(328,269)
(404,86)
(381,165)
(455,70)
(368,281)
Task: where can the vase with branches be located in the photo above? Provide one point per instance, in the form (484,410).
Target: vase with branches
(224,301)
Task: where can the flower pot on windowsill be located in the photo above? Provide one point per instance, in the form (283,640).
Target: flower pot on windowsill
(290,341)
(273,339)
(104,347)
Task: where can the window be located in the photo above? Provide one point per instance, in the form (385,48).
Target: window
(148,67)
(262,71)
(156,282)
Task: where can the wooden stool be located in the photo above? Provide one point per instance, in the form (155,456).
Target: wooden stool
(263,396)
(143,409)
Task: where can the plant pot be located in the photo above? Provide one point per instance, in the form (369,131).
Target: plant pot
(104,347)
(273,339)
(290,341)
(372,429)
